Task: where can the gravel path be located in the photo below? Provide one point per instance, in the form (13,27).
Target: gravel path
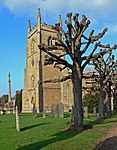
(110,141)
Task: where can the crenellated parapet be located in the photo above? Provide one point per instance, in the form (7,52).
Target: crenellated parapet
(44,27)
(47,27)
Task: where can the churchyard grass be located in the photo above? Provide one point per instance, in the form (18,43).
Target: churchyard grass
(48,133)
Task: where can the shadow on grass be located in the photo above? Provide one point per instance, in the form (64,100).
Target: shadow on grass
(60,136)
(67,115)
(64,135)
(107,144)
(32,126)
(105,121)
(99,122)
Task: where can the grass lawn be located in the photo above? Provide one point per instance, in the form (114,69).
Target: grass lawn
(48,133)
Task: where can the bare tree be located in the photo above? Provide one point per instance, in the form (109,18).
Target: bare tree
(75,44)
(114,88)
(104,67)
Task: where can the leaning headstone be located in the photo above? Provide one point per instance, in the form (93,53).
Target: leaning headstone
(86,112)
(61,110)
(94,110)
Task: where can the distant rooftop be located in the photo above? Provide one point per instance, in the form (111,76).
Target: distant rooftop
(88,70)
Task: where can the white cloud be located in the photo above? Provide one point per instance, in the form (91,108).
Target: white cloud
(113,28)
(58,5)
(94,9)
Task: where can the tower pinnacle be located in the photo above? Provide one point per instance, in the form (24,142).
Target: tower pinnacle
(39,20)
(39,14)
(29,26)
(60,20)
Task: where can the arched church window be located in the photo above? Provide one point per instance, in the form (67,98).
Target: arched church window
(32,63)
(32,51)
(32,46)
(49,40)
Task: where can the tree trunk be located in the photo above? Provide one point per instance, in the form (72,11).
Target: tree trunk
(109,112)
(77,123)
(101,106)
(41,102)
(115,99)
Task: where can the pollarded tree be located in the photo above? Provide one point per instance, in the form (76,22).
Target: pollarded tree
(104,66)
(75,44)
(110,87)
(114,88)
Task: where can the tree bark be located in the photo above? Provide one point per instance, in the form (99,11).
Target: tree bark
(115,99)
(101,106)
(109,112)
(77,115)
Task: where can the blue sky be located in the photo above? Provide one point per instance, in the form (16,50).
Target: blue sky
(14,15)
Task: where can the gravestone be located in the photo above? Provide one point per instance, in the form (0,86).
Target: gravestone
(86,112)
(44,113)
(57,110)
(34,111)
(61,110)
(94,110)
(54,110)
(97,115)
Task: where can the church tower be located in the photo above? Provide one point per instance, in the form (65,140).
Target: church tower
(35,72)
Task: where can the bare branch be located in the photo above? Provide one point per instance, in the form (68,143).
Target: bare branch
(60,67)
(62,79)
(105,51)
(66,49)
(88,43)
(90,56)
(100,35)
(55,57)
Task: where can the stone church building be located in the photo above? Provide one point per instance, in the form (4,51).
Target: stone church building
(35,72)
(46,94)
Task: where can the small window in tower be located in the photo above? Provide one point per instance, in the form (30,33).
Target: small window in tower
(32,46)
(32,62)
(49,41)
(32,80)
